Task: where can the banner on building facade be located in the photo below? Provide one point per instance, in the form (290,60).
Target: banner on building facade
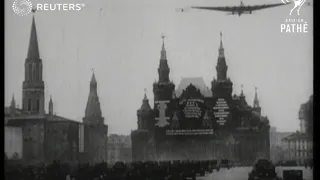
(162,119)
(190,132)
(192,108)
(221,111)
(81,138)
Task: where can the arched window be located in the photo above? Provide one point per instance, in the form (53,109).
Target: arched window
(38,105)
(36,72)
(30,72)
(40,72)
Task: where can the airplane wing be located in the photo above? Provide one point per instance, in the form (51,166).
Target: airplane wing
(226,8)
(264,6)
(239,8)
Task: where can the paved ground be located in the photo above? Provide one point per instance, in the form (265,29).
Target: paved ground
(241,173)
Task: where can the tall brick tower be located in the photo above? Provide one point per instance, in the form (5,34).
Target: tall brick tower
(145,116)
(93,113)
(95,131)
(162,91)
(222,86)
(164,87)
(33,85)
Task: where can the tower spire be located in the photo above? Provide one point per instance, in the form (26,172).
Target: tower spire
(163,50)
(93,78)
(33,100)
(221,65)
(221,49)
(241,95)
(256,100)
(13,102)
(145,94)
(221,46)
(13,106)
(33,51)
(145,102)
(163,69)
(50,106)
(93,112)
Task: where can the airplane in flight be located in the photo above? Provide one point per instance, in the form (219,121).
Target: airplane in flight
(238,10)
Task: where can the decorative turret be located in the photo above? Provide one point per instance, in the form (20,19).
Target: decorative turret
(242,95)
(145,107)
(163,69)
(256,100)
(93,113)
(221,65)
(50,106)
(256,104)
(222,86)
(13,106)
(33,51)
(33,85)
(144,114)
(163,88)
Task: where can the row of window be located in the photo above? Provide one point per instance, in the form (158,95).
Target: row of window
(34,75)
(300,145)
(299,154)
(33,105)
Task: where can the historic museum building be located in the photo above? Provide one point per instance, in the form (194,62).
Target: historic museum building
(193,122)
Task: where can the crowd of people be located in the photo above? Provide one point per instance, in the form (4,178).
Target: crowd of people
(151,170)
(154,170)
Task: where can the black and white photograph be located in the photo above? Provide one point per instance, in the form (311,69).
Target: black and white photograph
(158,89)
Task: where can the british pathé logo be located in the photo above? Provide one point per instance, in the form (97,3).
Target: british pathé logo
(294,25)
(297,5)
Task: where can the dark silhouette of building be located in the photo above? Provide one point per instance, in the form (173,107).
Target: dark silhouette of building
(195,122)
(46,136)
(306,117)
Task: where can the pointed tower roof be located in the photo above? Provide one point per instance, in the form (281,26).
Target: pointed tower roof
(93,104)
(221,46)
(221,64)
(33,51)
(145,107)
(256,100)
(163,50)
(241,95)
(50,102)
(50,106)
(13,102)
(93,78)
(163,69)
(221,49)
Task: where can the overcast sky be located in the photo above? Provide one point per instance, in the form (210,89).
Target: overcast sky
(122,44)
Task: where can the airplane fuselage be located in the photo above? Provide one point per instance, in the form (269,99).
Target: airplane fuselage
(242,9)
